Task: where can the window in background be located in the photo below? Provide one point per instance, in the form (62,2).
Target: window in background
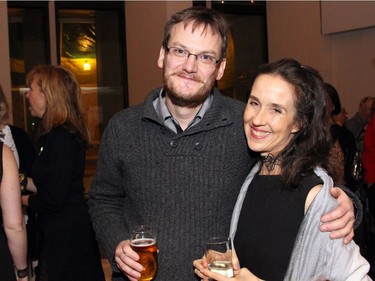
(90,39)
(247,44)
(28,46)
(91,44)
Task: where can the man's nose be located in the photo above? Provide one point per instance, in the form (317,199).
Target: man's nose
(191,63)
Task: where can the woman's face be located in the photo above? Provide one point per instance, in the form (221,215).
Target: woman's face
(269,115)
(37,100)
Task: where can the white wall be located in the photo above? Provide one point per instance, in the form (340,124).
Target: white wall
(346,60)
(352,15)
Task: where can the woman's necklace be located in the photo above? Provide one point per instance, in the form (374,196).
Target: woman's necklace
(270,161)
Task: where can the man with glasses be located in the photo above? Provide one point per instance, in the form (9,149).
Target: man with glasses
(178,160)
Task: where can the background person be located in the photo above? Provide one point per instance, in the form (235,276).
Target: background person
(69,250)
(342,136)
(23,150)
(336,153)
(275,222)
(358,123)
(13,241)
(180,154)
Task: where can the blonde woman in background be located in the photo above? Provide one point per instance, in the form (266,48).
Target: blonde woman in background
(69,251)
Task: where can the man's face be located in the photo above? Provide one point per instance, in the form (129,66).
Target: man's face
(188,82)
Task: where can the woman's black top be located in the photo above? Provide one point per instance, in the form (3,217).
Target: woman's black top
(268,224)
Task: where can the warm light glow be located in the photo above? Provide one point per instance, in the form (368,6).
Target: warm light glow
(86,66)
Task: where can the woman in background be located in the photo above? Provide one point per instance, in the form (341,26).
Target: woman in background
(23,150)
(69,250)
(13,244)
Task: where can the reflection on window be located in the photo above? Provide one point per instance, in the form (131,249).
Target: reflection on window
(28,47)
(78,53)
(90,37)
(90,46)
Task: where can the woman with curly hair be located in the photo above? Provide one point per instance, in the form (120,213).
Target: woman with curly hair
(275,223)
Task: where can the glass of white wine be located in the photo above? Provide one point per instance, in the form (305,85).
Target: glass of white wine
(219,255)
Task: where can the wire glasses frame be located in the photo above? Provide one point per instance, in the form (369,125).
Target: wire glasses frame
(182,54)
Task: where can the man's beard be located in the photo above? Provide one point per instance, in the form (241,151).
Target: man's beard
(193,99)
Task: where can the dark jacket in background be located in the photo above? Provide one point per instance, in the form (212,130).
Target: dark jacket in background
(68,244)
(348,145)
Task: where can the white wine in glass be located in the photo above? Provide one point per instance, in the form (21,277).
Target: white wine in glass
(219,255)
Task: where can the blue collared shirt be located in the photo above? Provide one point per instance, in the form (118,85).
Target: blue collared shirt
(170,122)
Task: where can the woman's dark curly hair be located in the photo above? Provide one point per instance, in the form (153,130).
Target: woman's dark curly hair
(310,146)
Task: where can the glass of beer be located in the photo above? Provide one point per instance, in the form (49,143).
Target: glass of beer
(219,255)
(143,241)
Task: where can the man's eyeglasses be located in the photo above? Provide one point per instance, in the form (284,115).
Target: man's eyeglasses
(182,54)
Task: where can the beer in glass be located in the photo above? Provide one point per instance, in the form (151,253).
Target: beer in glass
(143,241)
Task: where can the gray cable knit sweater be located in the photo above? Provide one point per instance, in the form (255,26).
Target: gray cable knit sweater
(184,185)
